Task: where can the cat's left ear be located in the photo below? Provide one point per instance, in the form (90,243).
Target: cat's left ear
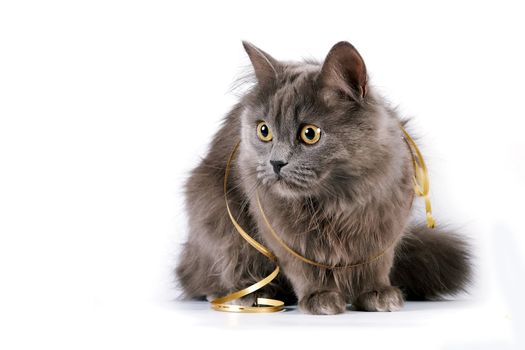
(265,66)
(344,70)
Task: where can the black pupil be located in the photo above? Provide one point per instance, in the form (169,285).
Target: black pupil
(309,133)
(264,130)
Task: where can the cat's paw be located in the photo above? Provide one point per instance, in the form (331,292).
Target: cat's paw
(323,303)
(384,299)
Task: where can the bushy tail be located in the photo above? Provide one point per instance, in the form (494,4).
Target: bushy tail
(431,264)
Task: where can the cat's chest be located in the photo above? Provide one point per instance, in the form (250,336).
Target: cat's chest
(309,224)
(343,235)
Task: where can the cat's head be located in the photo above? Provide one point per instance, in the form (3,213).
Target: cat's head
(311,128)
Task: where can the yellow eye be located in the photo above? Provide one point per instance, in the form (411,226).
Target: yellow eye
(310,134)
(264,132)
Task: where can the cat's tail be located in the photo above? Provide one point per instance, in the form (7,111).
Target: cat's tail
(431,264)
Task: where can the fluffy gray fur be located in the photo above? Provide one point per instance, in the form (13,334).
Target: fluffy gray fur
(339,201)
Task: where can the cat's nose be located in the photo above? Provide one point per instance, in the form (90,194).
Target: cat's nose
(277,165)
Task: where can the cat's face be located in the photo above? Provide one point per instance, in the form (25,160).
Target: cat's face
(299,144)
(311,129)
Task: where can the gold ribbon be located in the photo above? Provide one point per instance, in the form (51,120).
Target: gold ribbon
(421,188)
(268,305)
(263,304)
(421,178)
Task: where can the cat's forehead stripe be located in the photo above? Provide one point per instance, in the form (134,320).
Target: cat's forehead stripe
(286,99)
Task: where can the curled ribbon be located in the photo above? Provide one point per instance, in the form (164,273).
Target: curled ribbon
(263,304)
(421,178)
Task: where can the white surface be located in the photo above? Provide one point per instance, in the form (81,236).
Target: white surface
(105,106)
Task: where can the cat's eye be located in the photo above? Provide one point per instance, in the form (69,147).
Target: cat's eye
(310,134)
(263,132)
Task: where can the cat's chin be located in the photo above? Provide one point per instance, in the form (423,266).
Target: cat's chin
(282,188)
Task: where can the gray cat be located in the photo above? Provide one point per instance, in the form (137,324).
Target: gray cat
(327,157)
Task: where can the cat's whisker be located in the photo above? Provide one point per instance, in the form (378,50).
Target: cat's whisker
(233,188)
(296,182)
(248,197)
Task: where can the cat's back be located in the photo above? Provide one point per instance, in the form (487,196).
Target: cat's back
(204,187)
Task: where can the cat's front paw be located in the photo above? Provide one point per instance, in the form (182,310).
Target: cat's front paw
(323,303)
(384,299)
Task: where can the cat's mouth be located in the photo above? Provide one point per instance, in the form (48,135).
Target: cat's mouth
(288,183)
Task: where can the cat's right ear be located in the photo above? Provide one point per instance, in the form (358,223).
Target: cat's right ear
(265,66)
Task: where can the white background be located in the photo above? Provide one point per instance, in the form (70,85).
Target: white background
(105,106)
